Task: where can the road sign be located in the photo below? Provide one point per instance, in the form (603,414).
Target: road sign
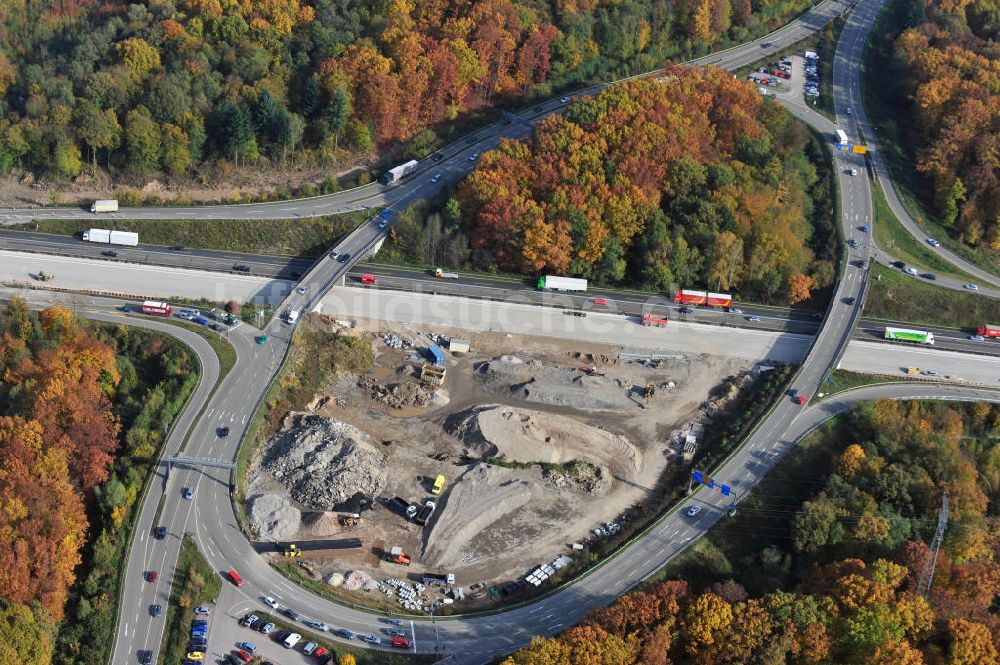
(844,147)
(859,149)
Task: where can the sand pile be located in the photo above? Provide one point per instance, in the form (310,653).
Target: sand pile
(321,525)
(523,435)
(324,462)
(273,517)
(558,386)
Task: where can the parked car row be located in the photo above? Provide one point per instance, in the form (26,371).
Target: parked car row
(811,70)
(206,318)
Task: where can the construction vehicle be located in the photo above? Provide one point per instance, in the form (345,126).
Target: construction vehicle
(441,274)
(592,371)
(650,320)
(397,555)
(354,519)
(292,550)
(43,276)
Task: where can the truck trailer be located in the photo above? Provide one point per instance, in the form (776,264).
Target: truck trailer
(155,308)
(104,205)
(107,236)
(432,578)
(707,298)
(650,320)
(988,331)
(397,173)
(907,335)
(841,137)
(555,283)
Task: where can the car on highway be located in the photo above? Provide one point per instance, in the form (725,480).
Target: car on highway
(302,290)
(177,248)
(970,287)
(345,257)
(436,177)
(848,110)
(241,267)
(929,275)
(343,632)
(155,610)
(734,310)
(291,614)
(270,602)
(249,620)
(152,576)
(866,229)
(267,628)
(910,271)
(933,243)
(203,611)
(849,300)
(564,100)
(853,242)
(929,372)
(372,639)
(161,532)
(976,338)
(685,310)
(260,339)
(574,312)
(437,157)
(859,263)
(913,370)
(401,642)
(249,647)
(692,511)
(765,44)
(109,252)
(474,156)
(600,301)
(853,172)
(196,656)
(223,432)
(334,255)
(383,224)
(145,657)
(188,493)
(235,578)
(898,264)
(317,625)
(393,621)
(753,318)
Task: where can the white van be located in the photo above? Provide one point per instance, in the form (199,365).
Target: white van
(293,315)
(292,640)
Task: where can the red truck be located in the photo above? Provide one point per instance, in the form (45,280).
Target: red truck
(707,298)
(988,331)
(650,320)
(368,279)
(156,308)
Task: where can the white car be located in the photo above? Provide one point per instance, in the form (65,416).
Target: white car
(910,271)
(436,177)
(564,100)
(750,318)
(383,224)
(474,156)
(848,110)
(971,287)
(270,602)
(976,338)
(693,510)
(318,625)
(933,243)
(302,290)
(334,255)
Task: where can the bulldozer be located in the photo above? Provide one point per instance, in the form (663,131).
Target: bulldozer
(292,551)
(397,555)
(353,519)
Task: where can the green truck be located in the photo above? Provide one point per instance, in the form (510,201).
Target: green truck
(906,335)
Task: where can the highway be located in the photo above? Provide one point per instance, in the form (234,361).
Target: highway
(473,640)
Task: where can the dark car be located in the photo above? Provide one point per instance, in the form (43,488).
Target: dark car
(155,610)
(849,301)
(858,264)
(178,248)
(110,253)
(685,310)
(345,257)
(145,657)
(291,614)
(241,267)
(223,432)
(898,264)
(765,44)
(161,532)
(929,275)
(437,157)
(574,312)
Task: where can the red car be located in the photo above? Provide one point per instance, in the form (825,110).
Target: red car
(235,578)
(244,656)
(152,576)
(600,301)
(320,652)
(401,642)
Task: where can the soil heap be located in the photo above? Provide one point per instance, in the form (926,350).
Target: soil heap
(273,517)
(324,463)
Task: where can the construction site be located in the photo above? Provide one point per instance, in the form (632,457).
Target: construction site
(461,467)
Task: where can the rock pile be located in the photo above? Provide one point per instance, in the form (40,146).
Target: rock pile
(273,517)
(325,462)
(397,395)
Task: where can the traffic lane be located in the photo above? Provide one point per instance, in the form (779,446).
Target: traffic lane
(893,360)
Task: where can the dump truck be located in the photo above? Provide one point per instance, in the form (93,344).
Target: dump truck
(441,274)
(403,507)
(104,205)
(425,514)
(397,555)
(650,320)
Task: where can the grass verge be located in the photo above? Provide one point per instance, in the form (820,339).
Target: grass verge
(279,237)
(891,236)
(893,296)
(844,380)
(194,584)
(223,349)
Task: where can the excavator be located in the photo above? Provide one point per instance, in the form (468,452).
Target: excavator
(397,555)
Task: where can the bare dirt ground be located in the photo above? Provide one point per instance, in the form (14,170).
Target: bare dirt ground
(580,409)
(218,185)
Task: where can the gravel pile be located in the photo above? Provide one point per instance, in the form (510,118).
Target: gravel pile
(324,463)
(557,386)
(273,517)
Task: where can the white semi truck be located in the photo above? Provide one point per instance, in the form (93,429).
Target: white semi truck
(104,205)
(106,236)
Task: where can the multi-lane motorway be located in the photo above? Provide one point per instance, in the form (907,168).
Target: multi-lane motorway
(209,516)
